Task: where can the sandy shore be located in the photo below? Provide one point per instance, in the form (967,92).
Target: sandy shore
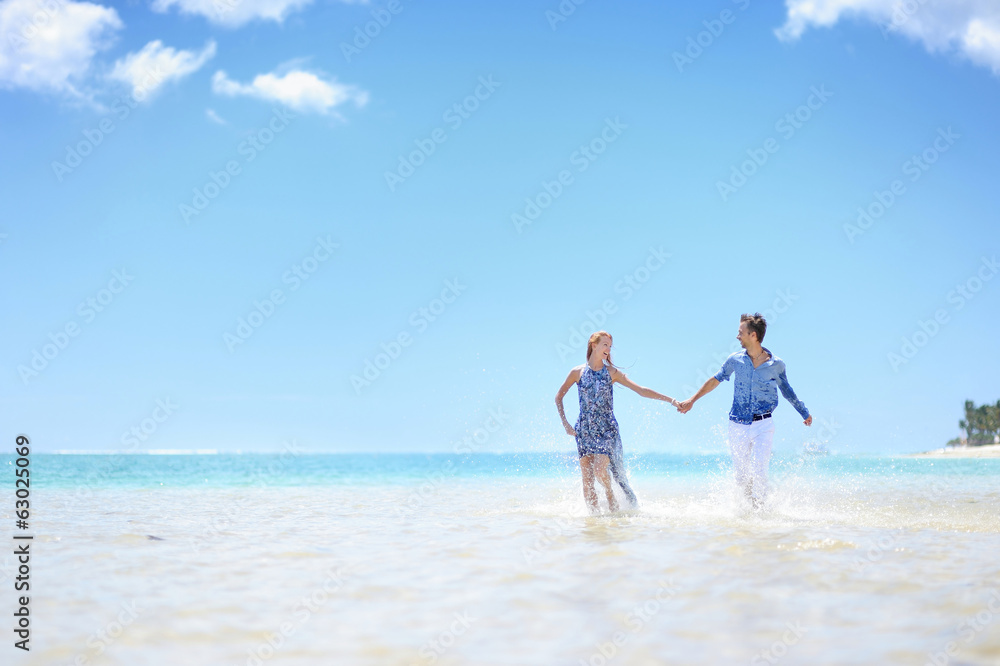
(987,451)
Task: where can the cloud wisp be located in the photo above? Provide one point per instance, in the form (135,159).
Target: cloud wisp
(148,69)
(297,89)
(968,27)
(234,13)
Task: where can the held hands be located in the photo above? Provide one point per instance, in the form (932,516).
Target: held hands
(685,407)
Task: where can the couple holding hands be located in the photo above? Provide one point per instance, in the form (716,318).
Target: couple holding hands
(759,377)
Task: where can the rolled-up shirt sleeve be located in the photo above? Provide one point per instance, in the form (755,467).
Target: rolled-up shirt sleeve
(727,369)
(789,393)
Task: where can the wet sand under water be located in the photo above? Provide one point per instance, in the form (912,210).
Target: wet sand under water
(508,570)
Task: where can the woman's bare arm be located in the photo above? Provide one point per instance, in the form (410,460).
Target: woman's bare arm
(620,377)
(572,378)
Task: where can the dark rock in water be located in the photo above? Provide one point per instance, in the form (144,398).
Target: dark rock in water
(154,538)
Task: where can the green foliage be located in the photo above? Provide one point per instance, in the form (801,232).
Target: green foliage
(981,424)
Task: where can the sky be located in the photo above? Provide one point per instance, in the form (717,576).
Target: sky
(245,225)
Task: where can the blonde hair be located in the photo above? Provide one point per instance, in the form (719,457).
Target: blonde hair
(594,339)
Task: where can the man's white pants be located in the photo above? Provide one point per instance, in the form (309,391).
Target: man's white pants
(750,446)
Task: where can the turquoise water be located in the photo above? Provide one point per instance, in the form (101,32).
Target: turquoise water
(414,560)
(292,469)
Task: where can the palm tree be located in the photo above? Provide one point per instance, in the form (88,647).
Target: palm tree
(981,424)
(983,418)
(994,420)
(968,423)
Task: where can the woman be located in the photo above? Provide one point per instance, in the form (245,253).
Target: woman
(597,440)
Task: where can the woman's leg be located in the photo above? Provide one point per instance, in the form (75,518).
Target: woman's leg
(601,471)
(587,471)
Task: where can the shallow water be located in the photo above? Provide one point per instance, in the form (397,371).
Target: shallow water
(484,559)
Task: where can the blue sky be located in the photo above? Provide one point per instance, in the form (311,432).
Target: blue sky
(255,165)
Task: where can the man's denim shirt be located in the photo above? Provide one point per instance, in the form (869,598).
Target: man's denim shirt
(756,389)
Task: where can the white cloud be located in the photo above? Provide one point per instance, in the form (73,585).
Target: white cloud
(49,45)
(233,13)
(981,43)
(972,27)
(156,64)
(296,89)
(214,117)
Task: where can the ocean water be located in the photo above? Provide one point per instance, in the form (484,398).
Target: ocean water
(493,559)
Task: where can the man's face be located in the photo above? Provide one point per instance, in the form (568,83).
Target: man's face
(744,335)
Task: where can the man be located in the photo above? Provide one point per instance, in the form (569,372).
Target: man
(759,376)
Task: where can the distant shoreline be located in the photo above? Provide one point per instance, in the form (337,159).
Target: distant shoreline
(985,451)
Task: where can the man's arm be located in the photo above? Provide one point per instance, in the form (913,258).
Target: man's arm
(705,389)
(722,375)
(786,390)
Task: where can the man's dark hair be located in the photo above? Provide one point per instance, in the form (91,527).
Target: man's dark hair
(755,324)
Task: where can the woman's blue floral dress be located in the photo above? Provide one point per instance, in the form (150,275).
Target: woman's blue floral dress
(596,427)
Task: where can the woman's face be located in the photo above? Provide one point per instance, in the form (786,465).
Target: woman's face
(603,348)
